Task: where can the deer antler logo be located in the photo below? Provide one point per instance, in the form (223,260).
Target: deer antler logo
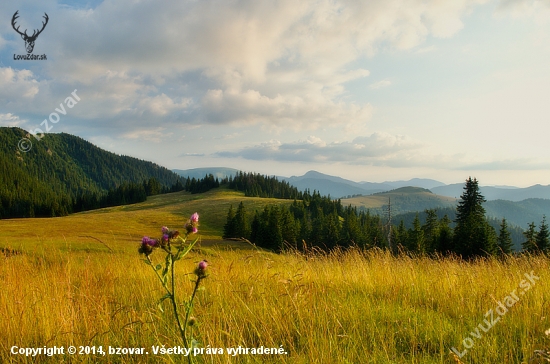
(29,40)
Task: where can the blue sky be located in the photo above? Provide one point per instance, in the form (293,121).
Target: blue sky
(368,90)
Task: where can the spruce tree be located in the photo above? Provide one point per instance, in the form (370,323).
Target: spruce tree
(274,237)
(230,228)
(431,230)
(543,236)
(473,236)
(289,228)
(504,240)
(400,236)
(241,222)
(530,243)
(417,242)
(445,239)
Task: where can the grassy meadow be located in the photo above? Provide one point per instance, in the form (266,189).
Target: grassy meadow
(78,280)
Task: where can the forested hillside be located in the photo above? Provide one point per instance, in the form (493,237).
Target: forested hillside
(62,171)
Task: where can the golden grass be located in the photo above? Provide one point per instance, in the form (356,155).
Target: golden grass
(345,307)
(123,225)
(348,307)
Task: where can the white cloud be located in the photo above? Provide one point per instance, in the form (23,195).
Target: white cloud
(380,84)
(290,111)
(10,120)
(17,84)
(143,69)
(375,149)
(243,62)
(155,135)
(539,10)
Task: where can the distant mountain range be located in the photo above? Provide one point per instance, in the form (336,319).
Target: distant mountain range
(338,187)
(519,206)
(497,193)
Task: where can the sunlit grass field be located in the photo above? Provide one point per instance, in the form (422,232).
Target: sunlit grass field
(78,280)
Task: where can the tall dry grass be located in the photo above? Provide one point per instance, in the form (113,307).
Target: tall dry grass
(345,307)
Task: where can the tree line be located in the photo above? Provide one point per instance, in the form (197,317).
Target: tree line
(317,221)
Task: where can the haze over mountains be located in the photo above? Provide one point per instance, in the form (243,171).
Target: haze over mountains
(338,187)
(519,206)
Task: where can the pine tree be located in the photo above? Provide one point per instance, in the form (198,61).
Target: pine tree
(473,236)
(256,229)
(530,243)
(274,236)
(504,240)
(241,222)
(401,236)
(431,230)
(416,237)
(351,233)
(230,227)
(331,230)
(543,236)
(445,240)
(289,229)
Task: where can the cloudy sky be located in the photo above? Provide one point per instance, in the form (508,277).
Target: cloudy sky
(370,90)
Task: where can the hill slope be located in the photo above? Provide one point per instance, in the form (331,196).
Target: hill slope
(413,199)
(403,200)
(60,167)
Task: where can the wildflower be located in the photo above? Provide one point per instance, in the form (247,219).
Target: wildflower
(165,237)
(147,245)
(200,271)
(148,241)
(165,230)
(191,225)
(203,264)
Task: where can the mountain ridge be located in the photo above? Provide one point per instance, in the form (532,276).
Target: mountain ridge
(61,168)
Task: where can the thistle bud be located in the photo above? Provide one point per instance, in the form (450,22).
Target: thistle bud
(200,271)
(203,264)
(192,321)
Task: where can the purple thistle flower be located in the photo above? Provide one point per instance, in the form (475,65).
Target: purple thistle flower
(147,245)
(165,230)
(192,223)
(200,271)
(165,237)
(203,264)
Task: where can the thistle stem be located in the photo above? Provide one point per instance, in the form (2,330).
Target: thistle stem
(190,308)
(174,305)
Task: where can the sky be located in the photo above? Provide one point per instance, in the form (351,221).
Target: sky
(378,90)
